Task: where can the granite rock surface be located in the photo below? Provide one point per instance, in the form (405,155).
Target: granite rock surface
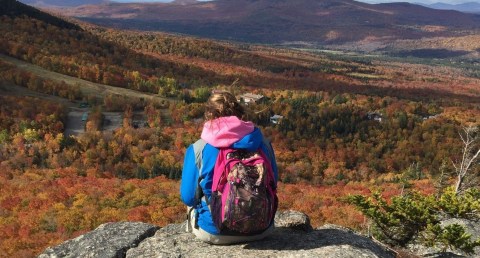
(292,237)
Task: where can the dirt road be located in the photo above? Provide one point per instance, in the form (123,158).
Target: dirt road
(74,124)
(112,120)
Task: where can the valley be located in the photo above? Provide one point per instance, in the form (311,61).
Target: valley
(273,22)
(95,121)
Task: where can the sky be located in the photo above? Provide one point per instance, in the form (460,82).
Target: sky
(366,1)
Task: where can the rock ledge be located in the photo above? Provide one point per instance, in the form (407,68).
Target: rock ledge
(108,240)
(293,237)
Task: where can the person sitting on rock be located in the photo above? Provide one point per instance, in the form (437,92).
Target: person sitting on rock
(223,129)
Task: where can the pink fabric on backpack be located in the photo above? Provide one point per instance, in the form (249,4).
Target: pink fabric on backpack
(222,166)
(225,131)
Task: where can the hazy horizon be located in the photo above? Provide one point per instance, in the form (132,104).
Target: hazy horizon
(365,1)
(420,1)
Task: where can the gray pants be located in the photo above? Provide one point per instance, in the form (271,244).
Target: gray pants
(222,239)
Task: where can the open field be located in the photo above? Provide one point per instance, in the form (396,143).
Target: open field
(87,87)
(8,88)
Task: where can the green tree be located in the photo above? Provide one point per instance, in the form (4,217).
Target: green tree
(416,216)
(3,136)
(400,221)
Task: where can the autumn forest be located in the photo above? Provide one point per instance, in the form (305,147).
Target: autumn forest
(349,126)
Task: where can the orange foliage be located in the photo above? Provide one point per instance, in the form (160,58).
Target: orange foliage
(53,188)
(40,209)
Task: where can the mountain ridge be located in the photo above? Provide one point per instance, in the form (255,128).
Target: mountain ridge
(267,21)
(15,8)
(62,3)
(469,7)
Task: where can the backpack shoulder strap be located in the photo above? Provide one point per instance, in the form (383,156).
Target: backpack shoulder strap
(198,147)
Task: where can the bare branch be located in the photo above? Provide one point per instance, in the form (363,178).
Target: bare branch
(469,155)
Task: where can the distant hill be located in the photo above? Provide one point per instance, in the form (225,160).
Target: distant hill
(14,8)
(283,21)
(470,7)
(62,3)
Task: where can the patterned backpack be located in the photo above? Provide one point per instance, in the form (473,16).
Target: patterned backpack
(244,199)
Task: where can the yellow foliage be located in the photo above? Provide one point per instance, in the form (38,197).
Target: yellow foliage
(110,214)
(43,196)
(59,206)
(81,199)
(30,135)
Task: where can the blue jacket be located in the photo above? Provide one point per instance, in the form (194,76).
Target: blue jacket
(252,141)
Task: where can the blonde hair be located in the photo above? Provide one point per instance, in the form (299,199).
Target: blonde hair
(222,104)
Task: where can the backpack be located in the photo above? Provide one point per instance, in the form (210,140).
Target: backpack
(243,200)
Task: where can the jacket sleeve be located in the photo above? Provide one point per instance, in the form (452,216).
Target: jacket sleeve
(189,181)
